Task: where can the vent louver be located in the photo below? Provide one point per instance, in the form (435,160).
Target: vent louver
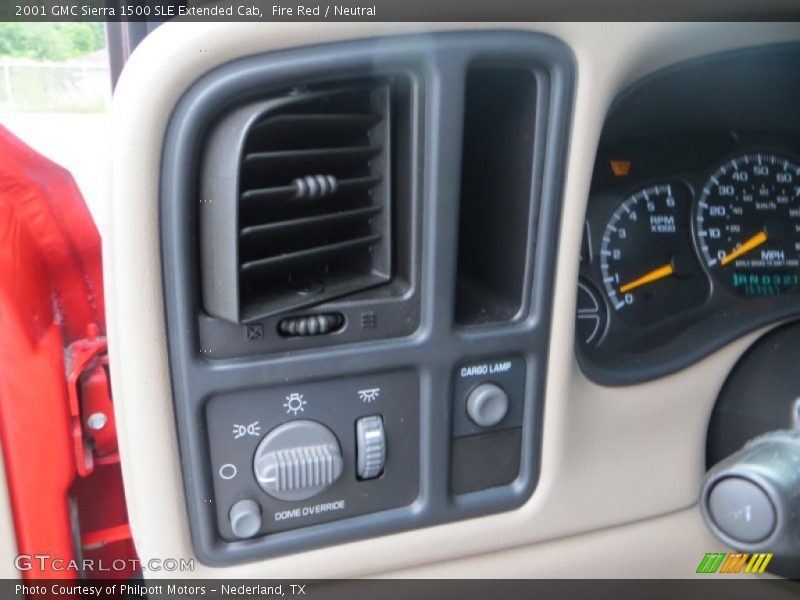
(311,202)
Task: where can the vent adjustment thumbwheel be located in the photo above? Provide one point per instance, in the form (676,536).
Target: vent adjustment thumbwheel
(310,325)
(298,460)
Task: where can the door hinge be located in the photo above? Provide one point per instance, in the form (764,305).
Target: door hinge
(94,432)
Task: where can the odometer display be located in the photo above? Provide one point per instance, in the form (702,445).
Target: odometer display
(748,224)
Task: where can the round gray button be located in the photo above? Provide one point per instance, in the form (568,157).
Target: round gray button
(487,404)
(245,518)
(742,510)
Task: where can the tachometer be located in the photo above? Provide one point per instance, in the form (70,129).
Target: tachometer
(646,257)
(748,224)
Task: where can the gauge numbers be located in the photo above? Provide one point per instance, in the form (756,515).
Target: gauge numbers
(748,224)
(646,260)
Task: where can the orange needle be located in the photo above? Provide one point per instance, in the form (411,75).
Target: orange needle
(753,242)
(650,277)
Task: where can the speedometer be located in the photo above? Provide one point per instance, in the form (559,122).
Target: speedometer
(748,224)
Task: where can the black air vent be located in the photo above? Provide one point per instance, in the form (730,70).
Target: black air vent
(312,202)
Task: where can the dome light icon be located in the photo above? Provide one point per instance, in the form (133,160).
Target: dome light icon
(294,404)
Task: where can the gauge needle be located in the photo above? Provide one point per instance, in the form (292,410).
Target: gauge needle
(753,242)
(650,277)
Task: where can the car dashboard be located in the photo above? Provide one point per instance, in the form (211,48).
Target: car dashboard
(639,242)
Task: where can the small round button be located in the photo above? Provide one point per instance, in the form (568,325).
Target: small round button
(245,518)
(742,510)
(487,404)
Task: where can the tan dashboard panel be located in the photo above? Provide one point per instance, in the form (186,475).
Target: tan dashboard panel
(610,456)
(670,546)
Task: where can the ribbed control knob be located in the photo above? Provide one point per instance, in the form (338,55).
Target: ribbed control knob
(371,447)
(297,460)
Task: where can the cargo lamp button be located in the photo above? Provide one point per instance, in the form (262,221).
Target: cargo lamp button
(487,404)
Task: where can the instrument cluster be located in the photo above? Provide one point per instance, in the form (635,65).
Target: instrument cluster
(690,241)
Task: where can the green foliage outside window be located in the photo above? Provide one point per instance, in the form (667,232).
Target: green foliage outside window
(51,41)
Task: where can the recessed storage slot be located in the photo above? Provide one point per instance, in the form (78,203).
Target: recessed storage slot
(496,195)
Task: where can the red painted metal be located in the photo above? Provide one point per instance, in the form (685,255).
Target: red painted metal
(54,370)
